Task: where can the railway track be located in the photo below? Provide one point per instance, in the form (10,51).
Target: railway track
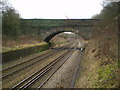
(9,71)
(7,68)
(18,67)
(45,73)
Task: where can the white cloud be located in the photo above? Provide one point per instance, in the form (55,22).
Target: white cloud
(56,9)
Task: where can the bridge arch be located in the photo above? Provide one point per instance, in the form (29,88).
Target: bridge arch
(48,38)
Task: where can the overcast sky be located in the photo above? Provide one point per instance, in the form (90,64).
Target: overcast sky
(57,9)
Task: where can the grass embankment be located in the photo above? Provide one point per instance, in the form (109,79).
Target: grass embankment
(20,47)
(99,65)
(8,49)
(14,54)
(14,43)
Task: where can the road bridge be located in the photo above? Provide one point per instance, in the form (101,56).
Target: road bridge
(48,28)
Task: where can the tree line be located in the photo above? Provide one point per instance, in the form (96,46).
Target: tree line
(109,17)
(10,19)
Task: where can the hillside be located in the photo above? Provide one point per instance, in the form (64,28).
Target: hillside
(99,65)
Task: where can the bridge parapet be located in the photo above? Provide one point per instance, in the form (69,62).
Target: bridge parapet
(82,22)
(45,27)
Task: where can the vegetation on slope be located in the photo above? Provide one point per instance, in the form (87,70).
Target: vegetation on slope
(99,67)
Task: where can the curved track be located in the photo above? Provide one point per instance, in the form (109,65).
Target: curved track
(29,81)
(17,67)
(43,74)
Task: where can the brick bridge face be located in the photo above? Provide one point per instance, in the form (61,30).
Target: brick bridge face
(82,27)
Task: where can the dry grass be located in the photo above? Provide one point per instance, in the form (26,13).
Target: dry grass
(10,43)
(99,66)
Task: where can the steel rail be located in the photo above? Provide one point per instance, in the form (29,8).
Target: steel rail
(48,67)
(54,72)
(28,60)
(49,54)
(4,76)
(25,61)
